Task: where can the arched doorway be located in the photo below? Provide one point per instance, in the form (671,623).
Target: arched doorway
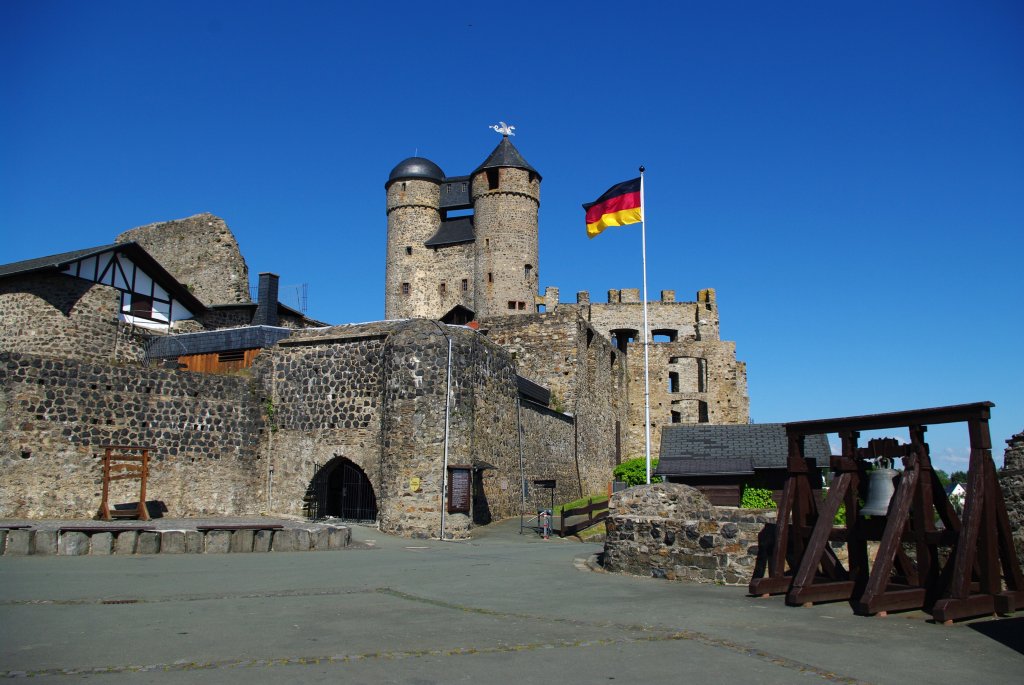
(340,489)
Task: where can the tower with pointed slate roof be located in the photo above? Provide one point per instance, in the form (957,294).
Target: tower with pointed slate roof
(464,246)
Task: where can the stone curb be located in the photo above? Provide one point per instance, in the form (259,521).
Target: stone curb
(49,542)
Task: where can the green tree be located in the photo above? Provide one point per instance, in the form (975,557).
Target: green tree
(943,477)
(958,477)
(634,471)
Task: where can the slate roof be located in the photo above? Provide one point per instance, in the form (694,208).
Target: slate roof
(134,251)
(415,167)
(458,229)
(533,391)
(504,156)
(706,449)
(247,338)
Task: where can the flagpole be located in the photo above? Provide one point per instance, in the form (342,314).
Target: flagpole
(647,375)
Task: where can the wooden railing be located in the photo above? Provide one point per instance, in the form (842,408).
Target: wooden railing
(588,509)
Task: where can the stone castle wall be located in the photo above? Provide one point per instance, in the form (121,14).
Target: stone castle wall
(200,252)
(586,376)
(56,315)
(375,394)
(325,393)
(672,531)
(711,387)
(1011,478)
(56,416)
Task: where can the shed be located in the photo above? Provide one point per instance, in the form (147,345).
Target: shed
(720,460)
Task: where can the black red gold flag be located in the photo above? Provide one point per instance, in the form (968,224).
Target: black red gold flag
(619,206)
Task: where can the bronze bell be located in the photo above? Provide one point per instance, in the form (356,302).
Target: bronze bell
(880,491)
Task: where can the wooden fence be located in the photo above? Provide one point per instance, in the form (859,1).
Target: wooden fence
(587,510)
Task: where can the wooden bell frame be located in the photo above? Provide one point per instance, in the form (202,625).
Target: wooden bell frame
(965,567)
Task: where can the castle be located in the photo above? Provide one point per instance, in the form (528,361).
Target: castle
(432,421)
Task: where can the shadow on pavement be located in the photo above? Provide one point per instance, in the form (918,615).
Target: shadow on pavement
(1008,631)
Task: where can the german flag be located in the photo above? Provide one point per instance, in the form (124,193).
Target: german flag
(620,205)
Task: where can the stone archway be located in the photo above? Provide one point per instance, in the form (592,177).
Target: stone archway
(340,489)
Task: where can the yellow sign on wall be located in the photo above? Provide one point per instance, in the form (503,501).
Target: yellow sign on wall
(414,483)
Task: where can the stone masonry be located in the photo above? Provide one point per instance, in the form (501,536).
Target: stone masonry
(1011,478)
(57,415)
(57,316)
(672,531)
(199,251)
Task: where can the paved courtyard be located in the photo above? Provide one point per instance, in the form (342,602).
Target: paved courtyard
(501,608)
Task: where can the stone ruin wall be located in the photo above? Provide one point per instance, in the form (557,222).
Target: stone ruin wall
(56,416)
(1011,478)
(708,373)
(56,315)
(199,251)
(672,531)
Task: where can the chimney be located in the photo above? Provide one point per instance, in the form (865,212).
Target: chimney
(266,301)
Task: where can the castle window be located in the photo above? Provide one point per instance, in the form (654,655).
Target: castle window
(463,187)
(406,289)
(702,412)
(673,381)
(490,277)
(465,285)
(527,270)
(448,188)
(487,242)
(443,288)
(408,250)
(623,336)
(677,417)
(492,179)
(403,185)
(512,305)
(702,375)
(665,335)
(522,306)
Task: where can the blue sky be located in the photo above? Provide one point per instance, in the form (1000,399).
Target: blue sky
(848,175)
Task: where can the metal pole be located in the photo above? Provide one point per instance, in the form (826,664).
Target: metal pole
(647,375)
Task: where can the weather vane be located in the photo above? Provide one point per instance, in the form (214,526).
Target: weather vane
(503,128)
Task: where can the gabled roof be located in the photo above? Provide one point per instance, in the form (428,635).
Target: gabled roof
(505,156)
(705,449)
(134,251)
(458,229)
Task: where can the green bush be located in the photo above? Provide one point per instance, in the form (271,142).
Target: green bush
(757,498)
(634,471)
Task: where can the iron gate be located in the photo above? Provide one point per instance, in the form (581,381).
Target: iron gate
(340,489)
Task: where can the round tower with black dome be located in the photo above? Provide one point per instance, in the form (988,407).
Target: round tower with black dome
(414,215)
(506,199)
